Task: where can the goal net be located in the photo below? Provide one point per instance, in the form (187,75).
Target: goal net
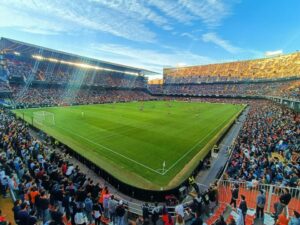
(44,118)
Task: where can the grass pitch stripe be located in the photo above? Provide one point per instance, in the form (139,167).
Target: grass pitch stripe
(111,150)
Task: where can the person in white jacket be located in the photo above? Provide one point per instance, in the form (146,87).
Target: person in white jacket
(240,218)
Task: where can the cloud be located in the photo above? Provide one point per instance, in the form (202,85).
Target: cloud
(74,16)
(273,53)
(209,12)
(147,58)
(128,19)
(191,36)
(215,39)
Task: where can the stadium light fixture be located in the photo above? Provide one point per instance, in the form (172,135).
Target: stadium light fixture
(81,65)
(17,53)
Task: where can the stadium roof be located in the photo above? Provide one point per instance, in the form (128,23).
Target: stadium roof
(23,48)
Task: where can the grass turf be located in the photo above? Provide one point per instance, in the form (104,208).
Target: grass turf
(132,140)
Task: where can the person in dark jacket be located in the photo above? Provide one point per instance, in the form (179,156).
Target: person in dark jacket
(220,221)
(120,213)
(56,215)
(146,213)
(23,214)
(44,206)
(16,209)
(197,220)
(234,195)
(32,219)
(284,200)
(243,206)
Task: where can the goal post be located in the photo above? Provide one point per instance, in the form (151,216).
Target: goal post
(44,118)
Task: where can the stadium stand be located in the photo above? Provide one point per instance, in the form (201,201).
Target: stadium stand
(43,77)
(264,159)
(282,66)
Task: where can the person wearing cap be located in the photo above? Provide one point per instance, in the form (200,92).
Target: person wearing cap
(295,220)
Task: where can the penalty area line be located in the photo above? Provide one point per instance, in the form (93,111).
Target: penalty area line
(111,150)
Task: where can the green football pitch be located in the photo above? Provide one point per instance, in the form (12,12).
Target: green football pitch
(151,145)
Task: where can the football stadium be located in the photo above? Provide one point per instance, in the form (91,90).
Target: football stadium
(136,136)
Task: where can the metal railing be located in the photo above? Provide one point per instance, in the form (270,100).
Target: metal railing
(251,191)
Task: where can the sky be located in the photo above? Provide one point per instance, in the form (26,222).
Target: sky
(153,34)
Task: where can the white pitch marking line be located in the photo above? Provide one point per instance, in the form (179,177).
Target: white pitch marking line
(178,160)
(102,146)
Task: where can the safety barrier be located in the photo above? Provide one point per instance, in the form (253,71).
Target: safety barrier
(251,191)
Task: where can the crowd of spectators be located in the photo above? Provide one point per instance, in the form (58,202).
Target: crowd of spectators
(53,191)
(266,68)
(49,96)
(56,73)
(48,187)
(240,89)
(267,149)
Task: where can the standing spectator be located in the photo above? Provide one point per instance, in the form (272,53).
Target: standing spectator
(23,214)
(240,218)
(88,203)
(234,195)
(243,206)
(56,215)
(106,198)
(155,213)
(284,200)
(260,204)
(32,220)
(44,206)
(97,212)
(112,205)
(16,209)
(80,218)
(120,213)
(179,210)
(145,210)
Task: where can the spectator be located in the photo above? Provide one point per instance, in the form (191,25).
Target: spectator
(16,209)
(282,218)
(120,213)
(260,204)
(234,195)
(240,218)
(197,220)
(23,214)
(284,200)
(179,220)
(296,219)
(97,212)
(80,217)
(32,219)
(220,221)
(243,206)
(155,213)
(112,205)
(179,210)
